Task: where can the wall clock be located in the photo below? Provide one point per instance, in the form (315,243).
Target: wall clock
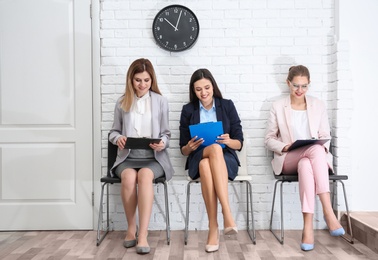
(175,28)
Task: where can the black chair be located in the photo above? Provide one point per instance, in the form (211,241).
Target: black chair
(242,177)
(294,178)
(106,180)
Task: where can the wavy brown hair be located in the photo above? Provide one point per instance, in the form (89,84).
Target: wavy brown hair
(138,66)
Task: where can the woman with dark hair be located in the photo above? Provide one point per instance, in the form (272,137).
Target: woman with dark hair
(140,112)
(300,116)
(213,164)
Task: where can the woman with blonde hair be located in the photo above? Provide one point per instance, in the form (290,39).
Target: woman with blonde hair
(140,112)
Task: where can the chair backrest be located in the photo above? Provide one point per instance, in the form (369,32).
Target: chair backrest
(242,155)
(112,156)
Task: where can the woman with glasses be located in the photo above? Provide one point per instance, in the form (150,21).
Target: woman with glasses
(295,117)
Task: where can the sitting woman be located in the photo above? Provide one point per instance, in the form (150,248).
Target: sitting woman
(213,164)
(140,112)
(299,116)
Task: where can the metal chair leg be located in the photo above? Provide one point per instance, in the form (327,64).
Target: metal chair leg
(167,222)
(250,205)
(100,214)
(281,240)
(187,212)
(351,239)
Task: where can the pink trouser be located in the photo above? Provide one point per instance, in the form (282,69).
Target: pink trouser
(311,164)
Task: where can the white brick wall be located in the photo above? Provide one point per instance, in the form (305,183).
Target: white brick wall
(248,45)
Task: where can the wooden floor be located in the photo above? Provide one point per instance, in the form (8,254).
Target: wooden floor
(81,245)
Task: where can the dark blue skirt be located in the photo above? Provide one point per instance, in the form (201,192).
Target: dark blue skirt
(231,163)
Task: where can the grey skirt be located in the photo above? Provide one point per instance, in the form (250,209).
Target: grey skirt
(139,159)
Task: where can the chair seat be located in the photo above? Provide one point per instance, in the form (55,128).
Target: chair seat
(334,177)
(109,179)
(243,178)
(238,178)
(160,180)
(289,177)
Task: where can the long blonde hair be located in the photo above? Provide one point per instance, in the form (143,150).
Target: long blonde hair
(138,66)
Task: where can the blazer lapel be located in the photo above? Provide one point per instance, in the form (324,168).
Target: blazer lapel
(311,114)
(155,110)
(218,109)
(287,109)
(196,114)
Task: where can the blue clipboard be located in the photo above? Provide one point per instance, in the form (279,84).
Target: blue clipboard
(208,131)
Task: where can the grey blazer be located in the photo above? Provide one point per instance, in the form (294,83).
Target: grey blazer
(160,129)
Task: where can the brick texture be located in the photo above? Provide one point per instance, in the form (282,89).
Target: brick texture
(249,47)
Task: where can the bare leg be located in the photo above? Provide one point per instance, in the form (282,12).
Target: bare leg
(308,229)
(145,202)
(330,217)
(219,175)
(211,201)
(129,200)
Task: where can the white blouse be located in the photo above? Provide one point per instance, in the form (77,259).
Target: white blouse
(301,127)
(141,116)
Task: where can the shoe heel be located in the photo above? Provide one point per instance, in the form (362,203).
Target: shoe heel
(230,231)
(307,247)
(337,232)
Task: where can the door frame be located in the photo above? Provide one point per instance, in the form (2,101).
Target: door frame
(96,99)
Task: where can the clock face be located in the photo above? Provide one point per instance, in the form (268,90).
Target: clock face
(175,28)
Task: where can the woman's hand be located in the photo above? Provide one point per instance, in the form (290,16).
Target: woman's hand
(193,144)
(286,148)
(121,142)
(158,146)
(224,139)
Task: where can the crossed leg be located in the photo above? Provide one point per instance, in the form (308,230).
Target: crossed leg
(214,186)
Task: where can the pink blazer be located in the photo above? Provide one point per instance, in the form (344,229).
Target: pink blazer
(279,130)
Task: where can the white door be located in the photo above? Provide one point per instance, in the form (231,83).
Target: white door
(45,115)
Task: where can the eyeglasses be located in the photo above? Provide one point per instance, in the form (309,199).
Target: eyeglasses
(296,86)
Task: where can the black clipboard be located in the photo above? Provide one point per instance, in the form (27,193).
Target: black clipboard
(140,142)
(300,143)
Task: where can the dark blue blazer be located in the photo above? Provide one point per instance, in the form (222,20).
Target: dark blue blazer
(226,112)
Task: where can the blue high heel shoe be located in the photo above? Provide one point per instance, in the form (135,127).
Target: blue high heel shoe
(307,247)
(337,232)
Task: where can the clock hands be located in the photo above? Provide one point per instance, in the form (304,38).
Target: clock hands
(178,20)
(171,24)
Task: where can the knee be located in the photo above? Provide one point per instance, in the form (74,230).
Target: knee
(317,151)
(128,181)
(215,150)
(204,164)
(145,177)
(204,168)
(303,165)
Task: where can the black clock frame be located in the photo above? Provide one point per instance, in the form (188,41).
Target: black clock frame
(167,34)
